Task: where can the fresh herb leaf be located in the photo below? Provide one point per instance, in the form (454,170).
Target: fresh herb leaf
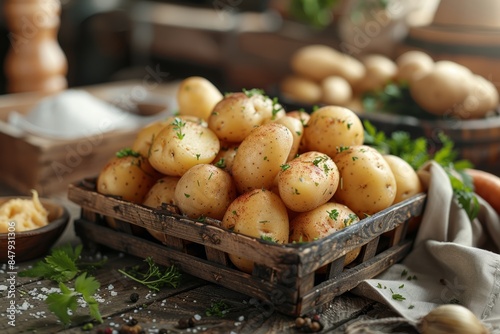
(127,152)
(217,309)
(61,265)
(397,296)
(154,278)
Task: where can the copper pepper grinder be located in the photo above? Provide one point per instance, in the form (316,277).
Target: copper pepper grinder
(35,61)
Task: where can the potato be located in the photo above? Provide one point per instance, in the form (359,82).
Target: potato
(407,181)
(197,96)
(260,156)
(413,64)
(225,157)
(322,221)
(308,181)
(181,145)
(301,89)
(128,175)
(300,115)
(367,183)
(443,88)
(161,192)
(258,213)
(332,127)
(315,61)
(145,136)
(204,191)
(482,99)
(237,114)
(297,129)
(304,118)
(379,70)
(336,91)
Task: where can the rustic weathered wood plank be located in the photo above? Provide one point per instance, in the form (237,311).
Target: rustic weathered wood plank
(310,256)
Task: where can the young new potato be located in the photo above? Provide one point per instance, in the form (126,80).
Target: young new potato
(237,114)
(197,96)
(261,214)
(146,135)
(128,175)
(444,87)
(367,184)
(336,91)
(225,157)
(407,180)
(413,64)
(379,71)
(260,156)
(297,129)
(308,181)
(204,191)
(162,192)
(331,127)
(322,221)
(181,145)
(301,89)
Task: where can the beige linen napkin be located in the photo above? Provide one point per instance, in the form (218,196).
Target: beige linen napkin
(453,260)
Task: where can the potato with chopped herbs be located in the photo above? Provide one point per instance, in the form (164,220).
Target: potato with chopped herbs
(197,96)
(258,213)
(322,221)
(332,127)
(308,181)
(237,114)
(146,135)
(127,175)
(182,145)
(260,156)
(204,191)
(367,184)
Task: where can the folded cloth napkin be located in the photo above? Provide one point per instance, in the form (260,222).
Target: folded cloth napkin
(454,259)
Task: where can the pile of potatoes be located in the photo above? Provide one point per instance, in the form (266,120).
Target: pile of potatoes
(323,75)
(280,176)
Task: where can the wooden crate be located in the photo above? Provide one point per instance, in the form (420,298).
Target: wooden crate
(49,165)
(285,277)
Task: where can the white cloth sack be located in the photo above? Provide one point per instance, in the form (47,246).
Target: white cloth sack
(453,259)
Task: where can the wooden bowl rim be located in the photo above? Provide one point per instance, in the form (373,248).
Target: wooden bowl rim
(58,217)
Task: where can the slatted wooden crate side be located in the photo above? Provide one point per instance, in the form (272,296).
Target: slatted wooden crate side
(308,257)
(228,277)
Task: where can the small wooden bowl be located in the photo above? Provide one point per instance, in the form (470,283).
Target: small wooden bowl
(35,243)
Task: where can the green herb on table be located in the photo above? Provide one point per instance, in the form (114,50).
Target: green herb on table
(416,152)
(62,265)
(217,309)
(85,287)
(155,276)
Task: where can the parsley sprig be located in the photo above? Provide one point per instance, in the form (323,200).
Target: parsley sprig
(218,309)
(416,152)
(85,287)
(62,265)
(154,278)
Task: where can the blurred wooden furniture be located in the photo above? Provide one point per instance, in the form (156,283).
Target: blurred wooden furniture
(35,61)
